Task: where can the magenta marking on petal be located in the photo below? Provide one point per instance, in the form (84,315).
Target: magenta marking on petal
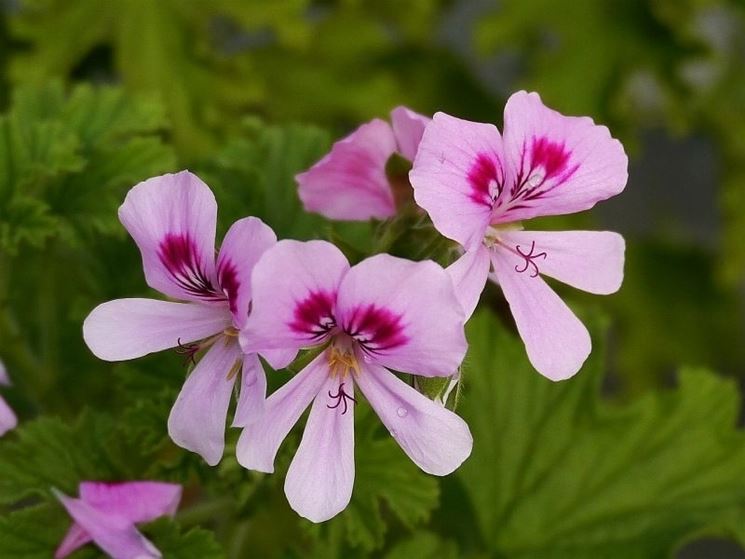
(314,315)
(227,277)
(549,161)
(375,328)
(485,178)
(550,155)
(341,397)
(530,258)
(179,255)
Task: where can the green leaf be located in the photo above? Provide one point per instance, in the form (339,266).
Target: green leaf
(671,295)
(66,160)
(35,532)
(254,174)
(211,61)
(48,453)
(553,44)
(33,151)
(557,472)
(192,544)
(166,48)
(424,545)
(257,170)
(445,390)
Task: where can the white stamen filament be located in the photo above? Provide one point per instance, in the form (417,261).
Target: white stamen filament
(494,232)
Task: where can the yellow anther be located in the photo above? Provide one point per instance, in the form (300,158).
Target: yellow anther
(234,370)
(341,362)
(231,332)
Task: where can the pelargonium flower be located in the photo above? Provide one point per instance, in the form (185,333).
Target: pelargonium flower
(106,514)
(382,314)
(172,219)
(350,182)
(478,186)
(8,420)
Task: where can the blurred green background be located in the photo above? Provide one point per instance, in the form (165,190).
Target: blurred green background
(637,456)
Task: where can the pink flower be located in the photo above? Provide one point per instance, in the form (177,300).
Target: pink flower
(384,313)
(477,186)
(350,182)
(8,420)
(106,513)
(172,219)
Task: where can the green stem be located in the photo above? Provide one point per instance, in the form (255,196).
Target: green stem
(239,540)
(48,329)
(25,365)
(204,512)
(14,345)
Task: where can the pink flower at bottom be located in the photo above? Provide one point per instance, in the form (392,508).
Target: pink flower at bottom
(8,419)
(172,219)
(106,514)
(478,186)
(350,182)
(384,314)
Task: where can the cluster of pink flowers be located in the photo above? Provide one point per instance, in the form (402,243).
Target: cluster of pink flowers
(257,296)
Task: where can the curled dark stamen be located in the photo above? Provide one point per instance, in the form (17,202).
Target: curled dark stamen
(188,351)
(529,260)
(340,397)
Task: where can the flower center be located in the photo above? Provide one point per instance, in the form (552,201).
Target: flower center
(528,255)
(494,232)
(230,332)
(342,361)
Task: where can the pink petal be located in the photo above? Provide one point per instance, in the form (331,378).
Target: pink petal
(245,242)
(136,501)
(469,275)
(456,174)
(253,392)
(350,182)
(557,164)
(172,219)
(408,128)
(4,378)
(129,328)
(321,476)
(437,440)
(556,341)
(197,420)
(75,538)
(294,295)
(588,260)
(114,534)
(259,442)
(404,315)
(8,419)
